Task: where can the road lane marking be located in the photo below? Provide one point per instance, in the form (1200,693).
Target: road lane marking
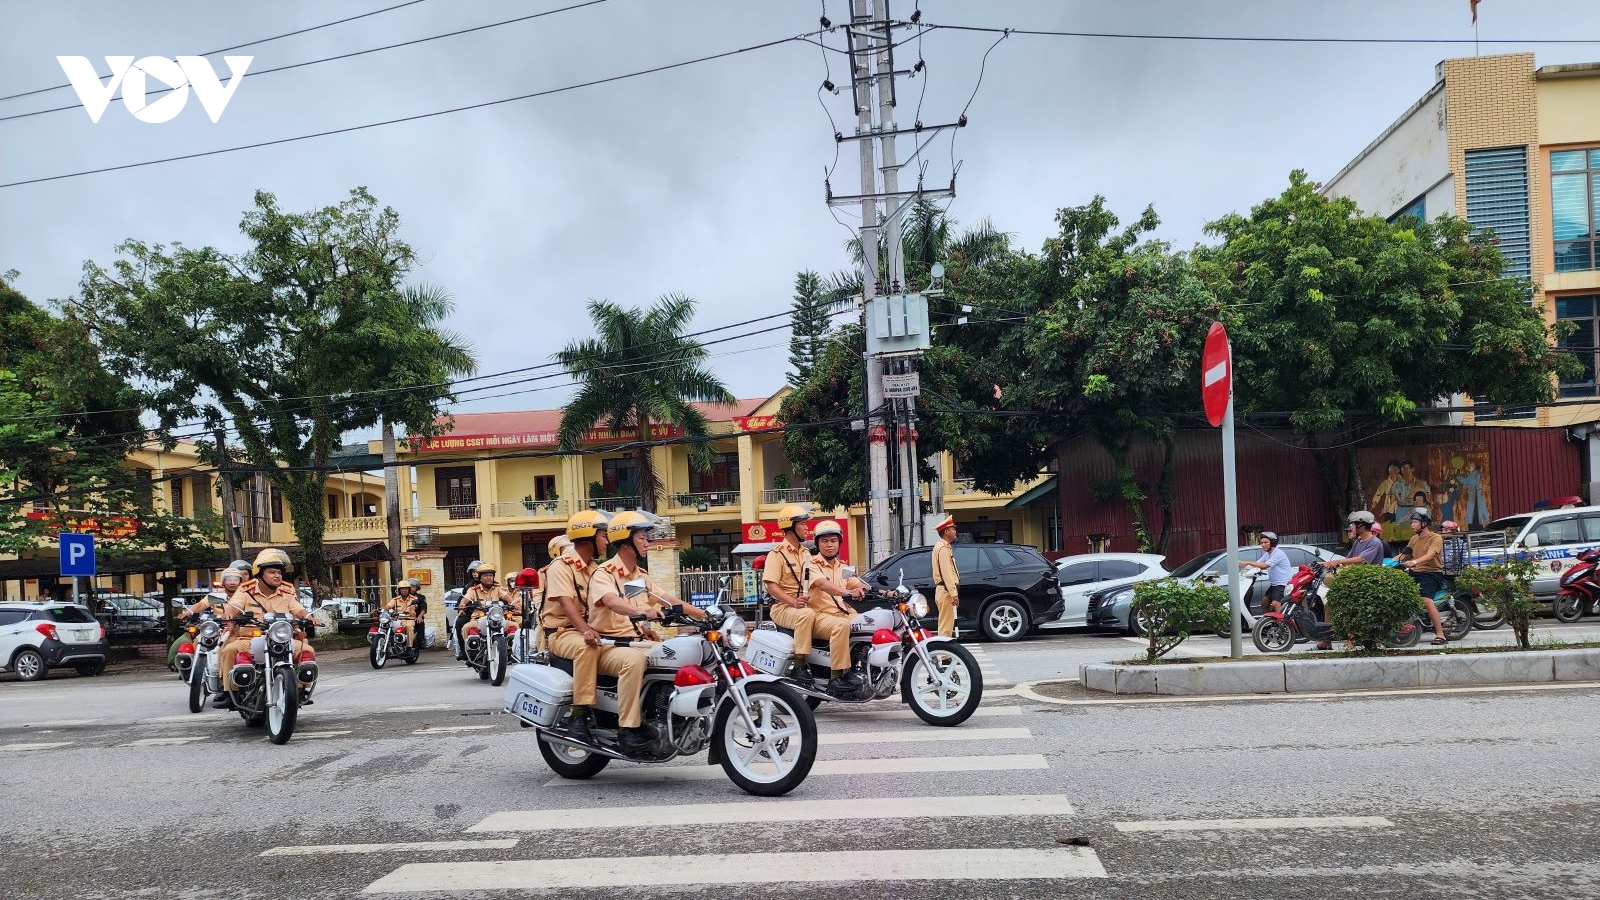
(923,734)
(314,735)
(1311,822)
(741,868)
(396,847)
(451,729)
(856,768)
(775,811)
(1027,692)
(62,723)
(161,742)
(426,707)
(23,748)
(865,711)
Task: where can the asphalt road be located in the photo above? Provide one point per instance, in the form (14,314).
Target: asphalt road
(408,782)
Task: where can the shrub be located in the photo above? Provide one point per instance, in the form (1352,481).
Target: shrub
(1370,603)
(1173,609)
(1507,586)
(697,558)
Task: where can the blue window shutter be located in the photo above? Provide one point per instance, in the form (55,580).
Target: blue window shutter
(1497,199)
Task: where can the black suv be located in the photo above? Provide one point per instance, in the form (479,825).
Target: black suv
(1006,589)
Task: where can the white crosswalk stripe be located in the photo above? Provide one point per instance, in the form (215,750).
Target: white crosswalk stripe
(1270,824)
(885,711)
(823,768)
(779,810)
(739,869)
(24,748)
(919,735)
(408,847)
(162,741)
(451,729)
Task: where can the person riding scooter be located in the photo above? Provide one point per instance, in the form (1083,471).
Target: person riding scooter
(268,592)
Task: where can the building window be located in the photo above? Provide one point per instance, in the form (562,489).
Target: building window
(535,549)
(334,506)
(722,476)
(544,487)
(200,491)
(1416,209)
(277,506)
(720,544)
(1575,208)
(144,491)
(1497,199)
(1584,341)
(620,477)
(176,486)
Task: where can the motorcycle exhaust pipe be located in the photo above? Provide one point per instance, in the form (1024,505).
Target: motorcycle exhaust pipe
(244,676)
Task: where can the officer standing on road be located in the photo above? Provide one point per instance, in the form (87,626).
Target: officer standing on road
(946,578)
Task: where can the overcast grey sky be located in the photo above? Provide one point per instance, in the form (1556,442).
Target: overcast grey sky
(705,180)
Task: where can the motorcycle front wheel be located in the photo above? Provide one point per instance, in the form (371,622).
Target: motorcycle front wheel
(378,654)
(1568,608)
(571,762)
(197,685)
(776,758)
(1272,636)
(1457,620)
(1486,614)
(1408,635)
(282,712)
(497,661)
(950,699)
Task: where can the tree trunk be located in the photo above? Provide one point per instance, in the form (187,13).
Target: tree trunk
(1331,484)
(647,468)
(1166,488)
(391,501)
(303,491)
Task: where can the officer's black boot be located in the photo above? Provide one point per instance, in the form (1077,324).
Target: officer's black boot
(578,727)
(800,673)
(633,741)
(846,682)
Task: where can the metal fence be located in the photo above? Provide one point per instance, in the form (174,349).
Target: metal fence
(744,592)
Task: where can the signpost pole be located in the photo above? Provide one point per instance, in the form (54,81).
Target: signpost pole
(1230,516)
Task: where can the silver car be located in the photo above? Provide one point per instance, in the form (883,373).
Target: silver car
(1113,608)
(1084,575)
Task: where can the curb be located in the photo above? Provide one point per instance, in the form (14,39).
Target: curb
(1321,675)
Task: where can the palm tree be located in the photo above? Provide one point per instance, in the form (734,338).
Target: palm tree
(927,236)
(640,369)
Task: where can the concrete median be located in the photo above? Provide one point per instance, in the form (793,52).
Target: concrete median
(1359,673)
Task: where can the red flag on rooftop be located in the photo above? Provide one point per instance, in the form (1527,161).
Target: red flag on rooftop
(1474,11)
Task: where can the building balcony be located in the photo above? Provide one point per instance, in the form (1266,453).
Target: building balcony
(529,509)
(960,486)
(705,501)
(357,525)
(614,504)
(443,515)
(786,495)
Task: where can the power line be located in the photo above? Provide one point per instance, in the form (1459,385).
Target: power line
(56,87)
(1257,39)
(419,116)
(340,56)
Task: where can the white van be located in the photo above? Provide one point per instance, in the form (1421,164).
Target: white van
(1553,537)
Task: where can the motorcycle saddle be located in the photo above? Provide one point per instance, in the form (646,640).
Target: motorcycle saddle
(565,665)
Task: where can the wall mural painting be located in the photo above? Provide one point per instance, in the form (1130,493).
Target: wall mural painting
(1450,480)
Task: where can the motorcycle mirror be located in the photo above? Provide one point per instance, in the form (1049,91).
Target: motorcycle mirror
(848,571)
(714,612)
(634,588)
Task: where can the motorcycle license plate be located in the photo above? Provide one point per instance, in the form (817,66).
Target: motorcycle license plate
(766,661)
(532,709)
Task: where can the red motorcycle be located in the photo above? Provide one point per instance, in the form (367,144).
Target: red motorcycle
(1299,614)
(1580,588)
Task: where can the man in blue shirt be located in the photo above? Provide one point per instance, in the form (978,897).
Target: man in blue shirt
(1276,564)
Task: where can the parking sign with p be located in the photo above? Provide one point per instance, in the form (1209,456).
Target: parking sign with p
(77,555)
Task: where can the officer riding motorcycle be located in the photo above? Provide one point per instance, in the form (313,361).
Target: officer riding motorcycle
(790,590)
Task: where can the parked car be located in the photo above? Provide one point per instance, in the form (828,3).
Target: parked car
(1084,575)
(186,598)
(36,637)
(125,615)
(1006,589)
(1114,609)
(351,613)
(1555,537)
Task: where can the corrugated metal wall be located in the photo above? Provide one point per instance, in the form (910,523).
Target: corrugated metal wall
(1280,485)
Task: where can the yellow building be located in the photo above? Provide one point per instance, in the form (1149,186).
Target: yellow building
(1515,148)
(494,488)
(183,486)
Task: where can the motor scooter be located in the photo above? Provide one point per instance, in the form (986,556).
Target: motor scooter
(1580,588)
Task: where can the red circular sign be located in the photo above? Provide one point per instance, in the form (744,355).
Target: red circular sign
(1216,374)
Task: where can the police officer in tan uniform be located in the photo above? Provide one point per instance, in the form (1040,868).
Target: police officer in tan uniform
(629,537)
(833,612)
(486,591)
(268,592)
(568,602)
(218,601)
(785,581)
(559,546)
(946,579)
(404,605)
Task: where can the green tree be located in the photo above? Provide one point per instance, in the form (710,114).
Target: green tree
(308,334)
(639,369)
(1349,323)
(808,325)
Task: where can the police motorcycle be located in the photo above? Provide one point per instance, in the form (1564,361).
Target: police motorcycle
(489,651)
(269,683)
(890,651)
(388,641)
(697,694)
(198,655)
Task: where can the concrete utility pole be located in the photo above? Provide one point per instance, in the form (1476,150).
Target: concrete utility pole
(225,488)
(896,317)
(391,502)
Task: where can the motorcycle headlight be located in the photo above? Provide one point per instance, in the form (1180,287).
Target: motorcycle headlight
(383,618)
(280,632)
(496,615)
(209,630)
(918,604)
(735,633)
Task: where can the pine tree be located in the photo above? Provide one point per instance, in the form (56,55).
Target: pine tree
(809,325)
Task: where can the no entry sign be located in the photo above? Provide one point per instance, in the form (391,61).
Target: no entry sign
(1216,374)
